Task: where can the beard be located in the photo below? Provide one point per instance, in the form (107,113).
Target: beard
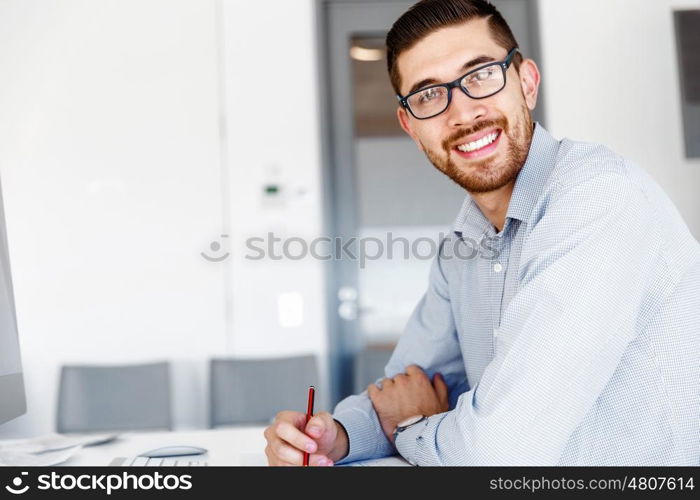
(483,176)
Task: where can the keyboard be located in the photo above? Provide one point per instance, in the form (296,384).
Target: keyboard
(156,462)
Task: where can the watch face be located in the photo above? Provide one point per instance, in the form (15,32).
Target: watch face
(410,421)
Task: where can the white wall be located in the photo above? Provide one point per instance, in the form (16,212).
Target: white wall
(611,76)
(112,182)
(273,138)
(113,178)
(111,162)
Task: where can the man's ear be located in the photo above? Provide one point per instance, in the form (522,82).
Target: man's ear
(530,82)
(405,122)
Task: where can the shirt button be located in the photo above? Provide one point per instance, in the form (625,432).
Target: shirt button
(497,267)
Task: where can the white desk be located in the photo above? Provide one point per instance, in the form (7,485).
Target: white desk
(227,446)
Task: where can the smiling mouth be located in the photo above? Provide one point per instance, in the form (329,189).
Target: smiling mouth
(479,144)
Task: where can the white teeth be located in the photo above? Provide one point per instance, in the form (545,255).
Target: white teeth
(473,146)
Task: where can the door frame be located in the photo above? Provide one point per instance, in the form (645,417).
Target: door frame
(338,169)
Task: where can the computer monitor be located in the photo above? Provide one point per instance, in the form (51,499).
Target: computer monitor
(12,398)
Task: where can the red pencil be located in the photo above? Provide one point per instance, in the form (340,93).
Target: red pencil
(309,413)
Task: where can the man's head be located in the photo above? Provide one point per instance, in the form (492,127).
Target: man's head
(439,41)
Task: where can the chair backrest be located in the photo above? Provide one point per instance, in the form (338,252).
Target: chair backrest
(369,365)
(110,398)
(253,391)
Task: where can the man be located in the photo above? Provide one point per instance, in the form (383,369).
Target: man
(578,344)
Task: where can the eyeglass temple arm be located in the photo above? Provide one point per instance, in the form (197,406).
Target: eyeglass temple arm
(511,55)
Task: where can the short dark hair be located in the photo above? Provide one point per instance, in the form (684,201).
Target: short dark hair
(428,16)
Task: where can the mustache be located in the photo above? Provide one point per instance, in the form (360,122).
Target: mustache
(456,136)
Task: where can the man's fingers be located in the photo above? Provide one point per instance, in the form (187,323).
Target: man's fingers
(320,461)
(296,418)
(441,388)
(283,438)
(317,426)
(295,437)
(372,390)
(414,370)
(376,387)
(287,439)
(272,459)
(281,456)
(285,453)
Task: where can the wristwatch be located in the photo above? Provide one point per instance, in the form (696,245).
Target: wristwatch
(406,423)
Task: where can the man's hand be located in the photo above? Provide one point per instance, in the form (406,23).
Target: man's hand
(288,439)
(407,395)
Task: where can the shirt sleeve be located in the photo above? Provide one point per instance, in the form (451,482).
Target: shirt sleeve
(429,341)
(583,278)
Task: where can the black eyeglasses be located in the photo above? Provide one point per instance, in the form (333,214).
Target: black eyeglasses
(479,83)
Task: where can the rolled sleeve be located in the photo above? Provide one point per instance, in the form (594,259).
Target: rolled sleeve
(365,436)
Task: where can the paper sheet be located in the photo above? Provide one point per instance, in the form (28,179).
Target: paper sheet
(253,459)
(13,457)
(57,442)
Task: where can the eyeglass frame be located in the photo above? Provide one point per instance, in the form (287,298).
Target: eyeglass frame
(504,64)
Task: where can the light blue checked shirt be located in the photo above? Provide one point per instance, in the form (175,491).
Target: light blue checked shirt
(573,338)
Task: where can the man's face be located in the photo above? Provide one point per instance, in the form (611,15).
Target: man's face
(449,139)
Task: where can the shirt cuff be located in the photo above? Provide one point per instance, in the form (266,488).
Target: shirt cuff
(407,441)
(363,441)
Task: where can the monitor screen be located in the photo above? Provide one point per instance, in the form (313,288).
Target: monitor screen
(12,398)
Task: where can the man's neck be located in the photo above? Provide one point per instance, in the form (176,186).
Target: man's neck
(494,204)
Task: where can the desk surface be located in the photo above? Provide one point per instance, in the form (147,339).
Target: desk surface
(227,446)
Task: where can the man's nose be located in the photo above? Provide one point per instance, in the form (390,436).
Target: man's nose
(464,110)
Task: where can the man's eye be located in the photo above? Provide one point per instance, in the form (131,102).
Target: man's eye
(482,75)
(430,95)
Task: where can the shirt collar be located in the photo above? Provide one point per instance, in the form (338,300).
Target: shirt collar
(528,187)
